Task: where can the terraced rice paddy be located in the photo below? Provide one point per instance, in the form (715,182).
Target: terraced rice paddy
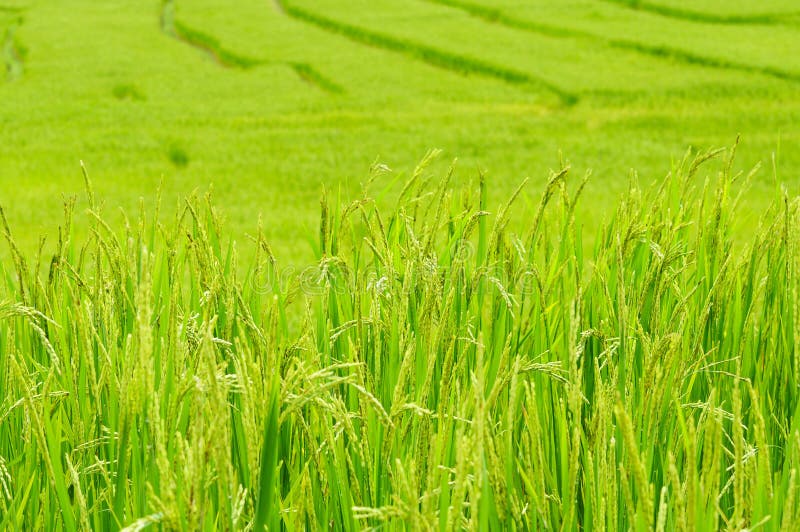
(231,298)
(272,100)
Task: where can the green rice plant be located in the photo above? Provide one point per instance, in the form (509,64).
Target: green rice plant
(433,370)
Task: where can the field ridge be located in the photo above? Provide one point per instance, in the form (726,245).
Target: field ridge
(202,41)
(430,55)
(699,16)
(211,46)
(498,16)
(307,73)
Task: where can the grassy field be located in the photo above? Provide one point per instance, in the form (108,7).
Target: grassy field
(272,100)
(252,307)
(433,371)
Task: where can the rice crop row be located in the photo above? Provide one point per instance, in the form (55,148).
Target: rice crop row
(435,369)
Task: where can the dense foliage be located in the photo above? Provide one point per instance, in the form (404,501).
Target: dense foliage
(432,371)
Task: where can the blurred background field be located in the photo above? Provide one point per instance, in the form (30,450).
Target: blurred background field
(269,101)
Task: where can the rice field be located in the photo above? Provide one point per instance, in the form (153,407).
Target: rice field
(432,370)
(383,265)
(270,101)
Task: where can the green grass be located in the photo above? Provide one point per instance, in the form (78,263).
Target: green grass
(434,368)
(272,101)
